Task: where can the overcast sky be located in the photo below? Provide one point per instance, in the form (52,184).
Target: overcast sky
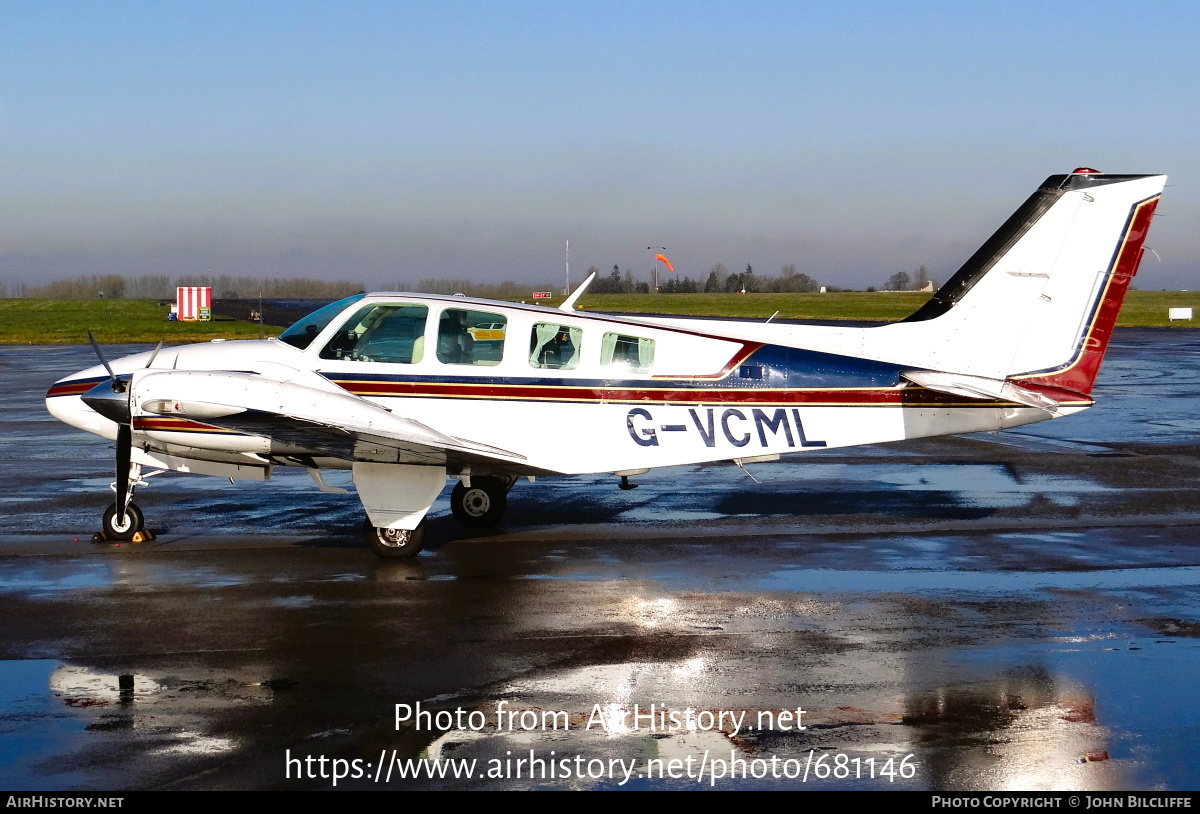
(394,141)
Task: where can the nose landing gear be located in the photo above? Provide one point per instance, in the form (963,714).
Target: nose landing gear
(131,525)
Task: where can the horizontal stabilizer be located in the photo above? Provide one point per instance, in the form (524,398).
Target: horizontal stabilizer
(979,387)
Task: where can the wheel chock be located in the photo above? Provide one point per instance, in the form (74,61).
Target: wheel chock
(139,537)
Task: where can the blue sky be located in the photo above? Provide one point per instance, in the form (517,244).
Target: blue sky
(395,141)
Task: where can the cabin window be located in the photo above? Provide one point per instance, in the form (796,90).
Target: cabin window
(471,337)
(554,347)
(630,353)
(381,333)
(304,331)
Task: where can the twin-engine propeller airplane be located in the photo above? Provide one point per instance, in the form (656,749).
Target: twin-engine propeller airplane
(405,390)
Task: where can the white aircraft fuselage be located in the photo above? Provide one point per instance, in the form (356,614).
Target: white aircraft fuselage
(407,389)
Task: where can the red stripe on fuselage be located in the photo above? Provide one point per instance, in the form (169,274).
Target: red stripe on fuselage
(558,393)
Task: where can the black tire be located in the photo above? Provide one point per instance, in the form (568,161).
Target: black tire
(396,544)
(481,505)
(134,522)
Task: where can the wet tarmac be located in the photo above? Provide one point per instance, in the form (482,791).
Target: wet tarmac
(1019,611)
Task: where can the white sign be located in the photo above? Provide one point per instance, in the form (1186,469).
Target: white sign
(1179,313)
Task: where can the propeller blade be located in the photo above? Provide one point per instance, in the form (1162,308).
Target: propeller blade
(100,353)
(124,450)
(154,355)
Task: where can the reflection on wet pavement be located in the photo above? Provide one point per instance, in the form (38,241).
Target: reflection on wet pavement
(1013,612)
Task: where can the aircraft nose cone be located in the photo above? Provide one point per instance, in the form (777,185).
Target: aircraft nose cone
(110,399)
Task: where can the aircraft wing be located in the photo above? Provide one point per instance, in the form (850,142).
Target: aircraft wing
(405,441)
(303,419)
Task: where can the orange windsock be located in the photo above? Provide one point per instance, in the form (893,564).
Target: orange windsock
(663,258)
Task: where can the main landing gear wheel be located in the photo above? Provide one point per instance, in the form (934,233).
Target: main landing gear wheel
(129,525)
(396,544)
(481,504)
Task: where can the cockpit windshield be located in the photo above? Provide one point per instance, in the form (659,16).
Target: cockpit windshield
(304,331)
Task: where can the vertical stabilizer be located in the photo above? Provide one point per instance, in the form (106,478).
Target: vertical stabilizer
(1039,300)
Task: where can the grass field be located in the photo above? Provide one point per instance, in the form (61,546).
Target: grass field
(1148,309)
(876,307)
(66,322)
(1142,309)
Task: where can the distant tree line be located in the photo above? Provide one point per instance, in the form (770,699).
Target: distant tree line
(789,281)
(617,281)
(903,281)
(162,287)
(719,280)
(508,290)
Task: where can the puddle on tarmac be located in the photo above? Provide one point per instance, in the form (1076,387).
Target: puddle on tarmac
(45,577)
(984,719)
(902,581)
(1131,708)
(53,576)
(33,725)
(802,488)
(50,710)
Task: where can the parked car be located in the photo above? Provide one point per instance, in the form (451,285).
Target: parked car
(487,332)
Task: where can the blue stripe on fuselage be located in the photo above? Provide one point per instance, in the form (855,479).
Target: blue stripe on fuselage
(778,366)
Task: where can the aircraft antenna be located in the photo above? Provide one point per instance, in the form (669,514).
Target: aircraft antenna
(742,466)
(568,304)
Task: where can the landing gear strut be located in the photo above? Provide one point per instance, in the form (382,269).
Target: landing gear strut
(481,504)
(132,526)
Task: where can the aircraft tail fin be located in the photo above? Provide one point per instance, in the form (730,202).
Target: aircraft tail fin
(1037,303)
